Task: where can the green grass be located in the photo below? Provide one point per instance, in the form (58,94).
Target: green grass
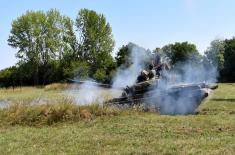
(210,131)
(28,93)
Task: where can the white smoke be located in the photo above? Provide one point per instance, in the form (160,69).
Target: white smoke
(90,93)
(180,90)
(164,97)
(127,76)
(189,72)
(4,103)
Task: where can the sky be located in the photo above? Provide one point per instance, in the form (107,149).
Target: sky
(148,23)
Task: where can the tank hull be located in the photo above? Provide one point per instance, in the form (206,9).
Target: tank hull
(173,100)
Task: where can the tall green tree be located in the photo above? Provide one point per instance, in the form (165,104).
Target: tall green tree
(229,60)
(180,52)
(96,42)
(41,39)
(129,53)
(122,56)
(25,35)
(215,53)
(221,54)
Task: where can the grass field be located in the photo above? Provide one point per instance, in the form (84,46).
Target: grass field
(210,131)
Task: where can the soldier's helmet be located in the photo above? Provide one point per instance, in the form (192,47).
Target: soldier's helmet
(144,72)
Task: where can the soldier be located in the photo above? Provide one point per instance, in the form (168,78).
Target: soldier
(143,76)
(157,60)
(152,72)
(157,65)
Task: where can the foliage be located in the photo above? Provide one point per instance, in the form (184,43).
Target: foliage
(8,77)
(50,51)
(210,131)
(122,56)
(221,54)
(132,54)
(96,41)
(75,69)
(229,60)
(215,53)
(180,52)
(100,75)
(42,41)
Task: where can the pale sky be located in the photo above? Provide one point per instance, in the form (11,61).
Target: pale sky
(148,23)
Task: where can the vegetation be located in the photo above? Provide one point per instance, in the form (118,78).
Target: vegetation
(48,114)
(56,86)
(43,120)
(50,50)
(180,52)
(122,56)
(221,54)
(96,43)
(42,40)
(69,129)
(229,57)
(215,53)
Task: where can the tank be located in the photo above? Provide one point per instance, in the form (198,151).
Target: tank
(170,99)
(165,98)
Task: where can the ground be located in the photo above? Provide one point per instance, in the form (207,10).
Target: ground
(210,131)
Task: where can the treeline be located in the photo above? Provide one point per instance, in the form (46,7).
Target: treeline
(52,48)
(220,55)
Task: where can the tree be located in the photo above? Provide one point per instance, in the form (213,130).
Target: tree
(41,39)
(215,54)
(96,41)
(221,54)
(180,52)
(122,56)
(229,60)
(8,77)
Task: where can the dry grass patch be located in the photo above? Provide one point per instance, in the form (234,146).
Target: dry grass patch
(48,114)
(56,86)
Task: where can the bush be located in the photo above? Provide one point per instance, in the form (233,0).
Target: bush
(100,75)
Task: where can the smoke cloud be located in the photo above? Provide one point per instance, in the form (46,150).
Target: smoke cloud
(189,72)
(85,94)
(179,90)
(90,93)
(138,56)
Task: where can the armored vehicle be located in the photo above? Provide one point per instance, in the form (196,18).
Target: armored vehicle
(165,98)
